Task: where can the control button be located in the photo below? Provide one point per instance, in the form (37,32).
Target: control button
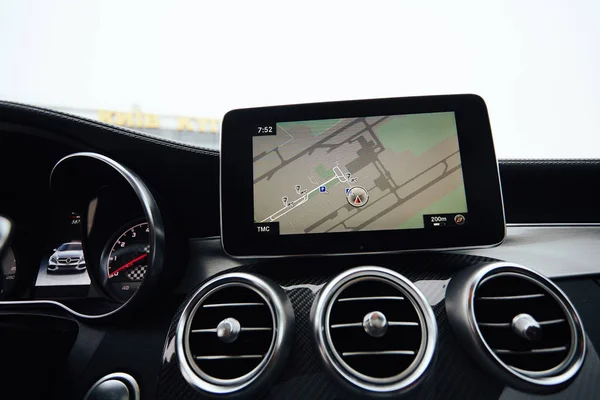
(459,219)
(117,386)
(357,196)
(111,389)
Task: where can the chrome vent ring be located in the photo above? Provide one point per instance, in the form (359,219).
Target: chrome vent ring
(374,329)
(234,334)
(518,324)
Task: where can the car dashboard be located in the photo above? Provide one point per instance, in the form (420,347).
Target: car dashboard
(115,282)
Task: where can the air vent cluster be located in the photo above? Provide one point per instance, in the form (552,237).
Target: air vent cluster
(523,326)
(375,329)
(233,331)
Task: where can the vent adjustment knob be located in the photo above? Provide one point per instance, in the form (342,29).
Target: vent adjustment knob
(375,324)
(527,327)
(228,330)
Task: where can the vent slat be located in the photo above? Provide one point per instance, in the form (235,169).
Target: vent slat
(379,353)
(349,325)
(532,351)
(517,297)
(232,305)
(249,329)
(229,357)
(257,329)
(494,324)
(552,322)
(371,298)
(508,324)
(403,323)
(360,324)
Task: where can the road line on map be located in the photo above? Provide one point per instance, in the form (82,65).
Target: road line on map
(289,134)
(332,126)
(341,175)
(303,200)
(271,217)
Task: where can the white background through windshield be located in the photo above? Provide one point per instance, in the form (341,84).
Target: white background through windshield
(535,63)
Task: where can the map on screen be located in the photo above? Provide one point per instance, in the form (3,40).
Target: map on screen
(358,174)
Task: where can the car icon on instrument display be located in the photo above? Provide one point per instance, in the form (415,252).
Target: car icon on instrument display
(67,258)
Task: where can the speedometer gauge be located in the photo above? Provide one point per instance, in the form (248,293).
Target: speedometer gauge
(127,261)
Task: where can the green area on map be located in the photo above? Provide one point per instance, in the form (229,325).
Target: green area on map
(408,164)
(315,127)
(455,201)
(416,132)
(324,172)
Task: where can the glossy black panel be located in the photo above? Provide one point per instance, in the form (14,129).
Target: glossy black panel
(551,191)
(478,164)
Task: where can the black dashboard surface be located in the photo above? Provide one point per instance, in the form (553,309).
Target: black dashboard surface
(452,376)
(547,234)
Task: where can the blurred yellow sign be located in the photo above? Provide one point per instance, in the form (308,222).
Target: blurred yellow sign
(138,119)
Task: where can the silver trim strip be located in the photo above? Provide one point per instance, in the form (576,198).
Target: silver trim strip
(363,253)
(379,353)
(231,305)
(226,357)
(333,360)
(554,224)
(370,298)
(519,297)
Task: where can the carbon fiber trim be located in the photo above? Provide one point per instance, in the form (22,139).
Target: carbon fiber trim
(456,375)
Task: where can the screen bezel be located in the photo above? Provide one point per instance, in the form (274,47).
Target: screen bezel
(486,225)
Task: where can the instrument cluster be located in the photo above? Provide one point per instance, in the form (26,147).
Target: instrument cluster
(105,237)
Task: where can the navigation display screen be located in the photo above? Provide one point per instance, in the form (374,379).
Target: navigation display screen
(359,174)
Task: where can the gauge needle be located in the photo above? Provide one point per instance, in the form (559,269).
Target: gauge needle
(129,264)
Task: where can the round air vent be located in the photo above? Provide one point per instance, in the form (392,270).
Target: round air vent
(235,331)
(518,324)
(375,329)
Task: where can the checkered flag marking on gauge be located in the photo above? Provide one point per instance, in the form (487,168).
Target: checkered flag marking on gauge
(137,273)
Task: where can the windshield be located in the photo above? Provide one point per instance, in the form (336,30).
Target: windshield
(172,68)
(70,246)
